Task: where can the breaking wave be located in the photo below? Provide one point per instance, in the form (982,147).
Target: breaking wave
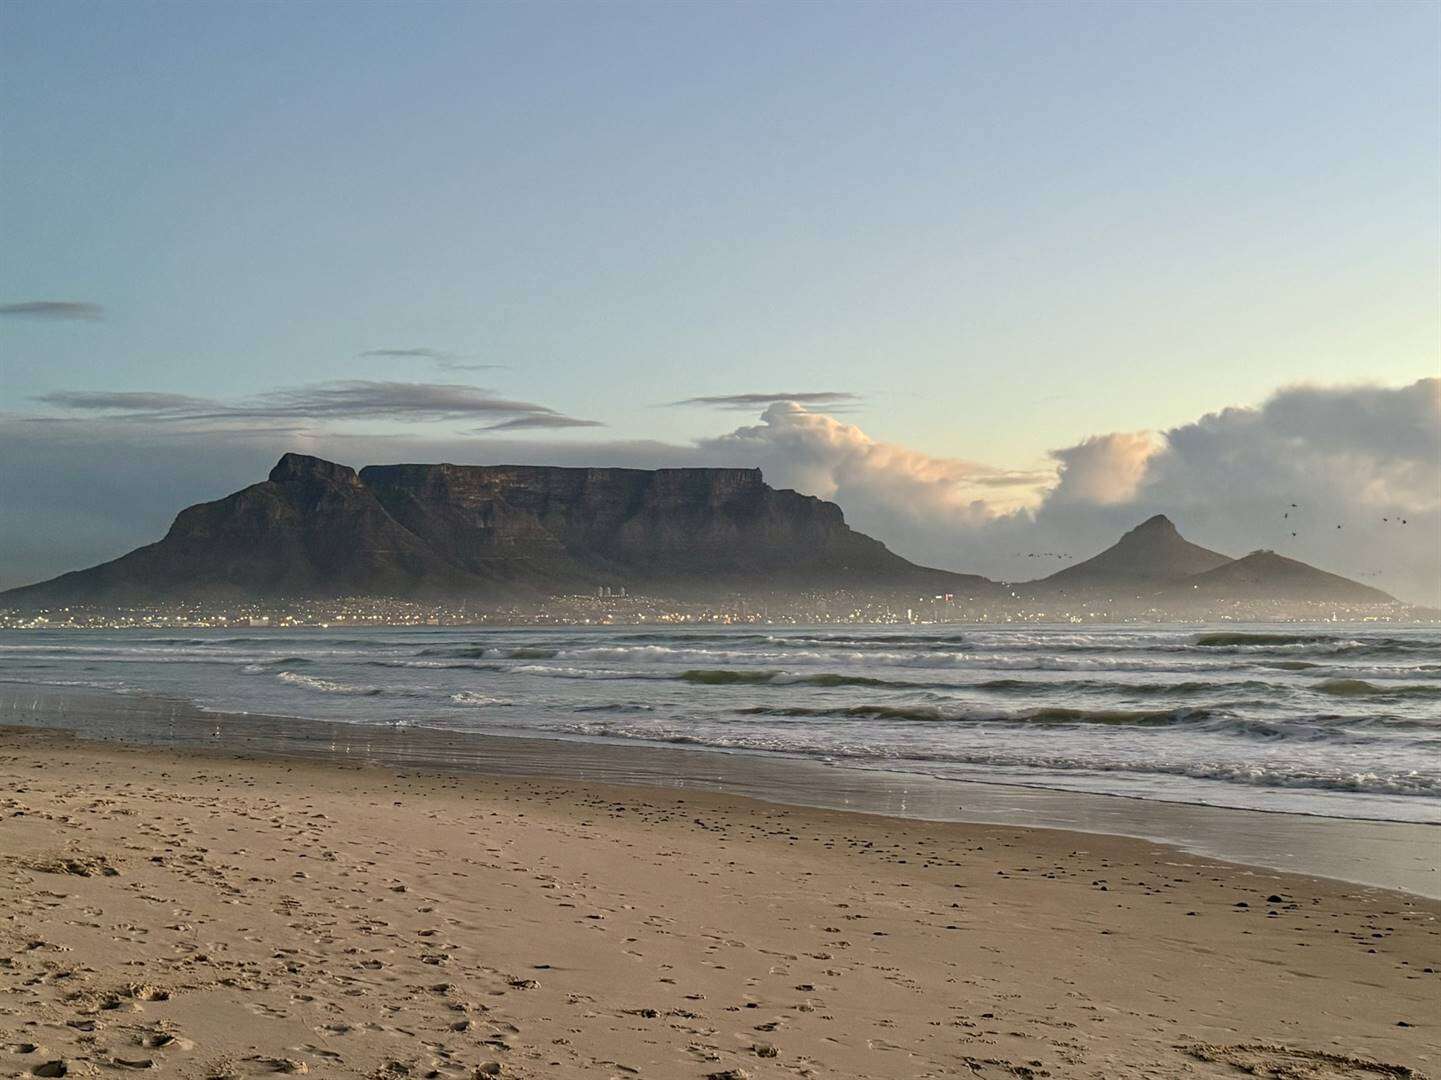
(1362,688)
(326,686)
(938,714)
(471,697)
(1294,708)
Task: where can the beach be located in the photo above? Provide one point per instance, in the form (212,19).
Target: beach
(209,913)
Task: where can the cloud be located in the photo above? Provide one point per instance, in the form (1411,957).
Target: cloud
(1104,469)
(456,365)
(443,360)
(911,499)
(364,398)
(344,400)
(124,401)
(1362,457)
(1359,457)
(751,401)
(540,420)
(74,310)
(406,354)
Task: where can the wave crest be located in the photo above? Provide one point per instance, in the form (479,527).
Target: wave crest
(326,686)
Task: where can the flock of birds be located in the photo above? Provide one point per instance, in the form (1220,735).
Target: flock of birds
(1385,520)
(1290,515)
(1286,516)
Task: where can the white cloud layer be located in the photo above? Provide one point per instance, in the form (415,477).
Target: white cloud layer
(1361,457)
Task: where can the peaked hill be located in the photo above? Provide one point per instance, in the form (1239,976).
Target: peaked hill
(1266,575)
(1153,553)
(1154,563)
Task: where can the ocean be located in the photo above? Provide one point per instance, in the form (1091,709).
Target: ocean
(1333,720)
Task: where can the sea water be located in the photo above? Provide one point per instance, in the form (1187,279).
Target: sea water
(1327,719)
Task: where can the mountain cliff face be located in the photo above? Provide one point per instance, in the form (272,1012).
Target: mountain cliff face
(315,528)
(560,526)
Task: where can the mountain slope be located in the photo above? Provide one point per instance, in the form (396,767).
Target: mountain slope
(314,528)
(1151,554)
(1264,575)
(310,528)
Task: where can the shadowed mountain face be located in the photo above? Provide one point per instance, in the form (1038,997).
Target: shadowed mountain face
(315,528)
(1266,575)
(1151,554)
(1153,562)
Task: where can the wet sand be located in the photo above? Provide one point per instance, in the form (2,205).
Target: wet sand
(1389,854)
(203,914)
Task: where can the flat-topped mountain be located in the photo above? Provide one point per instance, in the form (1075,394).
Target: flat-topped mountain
(1153,553)
(522,532)
(315,528)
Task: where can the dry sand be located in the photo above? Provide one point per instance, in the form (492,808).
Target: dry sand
(204,916)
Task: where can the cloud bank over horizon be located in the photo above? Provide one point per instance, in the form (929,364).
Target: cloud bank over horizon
(1347,478)
(1340,467)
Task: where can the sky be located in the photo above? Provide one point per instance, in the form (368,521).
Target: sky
(995,277)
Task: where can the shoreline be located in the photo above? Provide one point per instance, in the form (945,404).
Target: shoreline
(1403,856)
(224,915)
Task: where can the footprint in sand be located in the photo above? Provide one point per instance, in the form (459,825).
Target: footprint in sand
(278,1065)
(1267,1059)
(160,1039)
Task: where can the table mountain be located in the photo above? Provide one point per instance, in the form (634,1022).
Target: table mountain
(315,528)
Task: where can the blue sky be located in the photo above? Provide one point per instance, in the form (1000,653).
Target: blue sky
(1005,227)
(1138,212)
